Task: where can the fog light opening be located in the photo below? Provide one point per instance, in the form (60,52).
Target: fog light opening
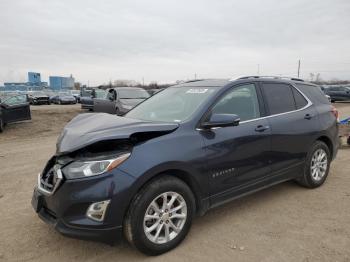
(97,211)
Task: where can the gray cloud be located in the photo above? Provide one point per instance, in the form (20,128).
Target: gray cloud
(170,40)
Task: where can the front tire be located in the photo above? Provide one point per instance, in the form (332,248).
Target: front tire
(316,166)
(160,215)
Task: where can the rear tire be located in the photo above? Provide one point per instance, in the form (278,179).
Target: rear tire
(317,165)
(169,222)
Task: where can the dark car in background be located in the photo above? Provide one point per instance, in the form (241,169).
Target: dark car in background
(63,99)
(185,150)
(13,108)
(338,93)
(38,98)
(120,100)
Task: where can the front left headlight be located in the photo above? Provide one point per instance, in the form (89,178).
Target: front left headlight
(79,169)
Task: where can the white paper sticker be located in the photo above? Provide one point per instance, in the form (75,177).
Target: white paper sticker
(197,91)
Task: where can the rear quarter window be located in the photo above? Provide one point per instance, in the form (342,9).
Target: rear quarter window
(300,101)
(314,93)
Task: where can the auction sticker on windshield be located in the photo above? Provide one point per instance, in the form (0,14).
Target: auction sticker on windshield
(196,91)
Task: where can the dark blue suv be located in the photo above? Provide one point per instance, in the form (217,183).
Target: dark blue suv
(183,151)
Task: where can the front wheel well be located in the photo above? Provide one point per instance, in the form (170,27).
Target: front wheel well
(186,178)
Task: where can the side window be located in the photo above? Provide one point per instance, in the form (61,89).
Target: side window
(16,100)
(242,101)
(314,93)
(279,97)
(300,101)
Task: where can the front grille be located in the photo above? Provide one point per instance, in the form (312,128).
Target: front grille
(50,180)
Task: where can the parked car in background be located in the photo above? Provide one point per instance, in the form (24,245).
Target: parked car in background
(185,150)
(38,98)
(120,100)
(63,99)
(13,109)
(87,96)
(338,93)
(76,94)
(154,91)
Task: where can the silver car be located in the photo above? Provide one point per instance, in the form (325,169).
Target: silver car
(120,100)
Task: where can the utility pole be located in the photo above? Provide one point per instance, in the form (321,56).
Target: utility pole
(298,68)
(258,69)
(195,76)
(143,81)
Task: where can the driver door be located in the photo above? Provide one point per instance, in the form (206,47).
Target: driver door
(238,156)
(16,108)
(107,104)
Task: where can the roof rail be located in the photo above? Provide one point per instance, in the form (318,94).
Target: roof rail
(273,77)
(193,80)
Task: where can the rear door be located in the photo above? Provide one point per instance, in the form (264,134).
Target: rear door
(107,104)
(293,121)
(16,108)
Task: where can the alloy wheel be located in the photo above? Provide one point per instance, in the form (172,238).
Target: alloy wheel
(165,217)
(319,164)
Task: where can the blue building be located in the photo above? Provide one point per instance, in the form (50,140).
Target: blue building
(61,83)
(34,83)
(34,78)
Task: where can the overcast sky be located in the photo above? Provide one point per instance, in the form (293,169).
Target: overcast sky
(165,41)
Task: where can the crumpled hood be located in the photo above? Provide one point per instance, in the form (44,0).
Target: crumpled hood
(89,128)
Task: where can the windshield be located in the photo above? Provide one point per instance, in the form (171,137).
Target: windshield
(133,94)
(174,104)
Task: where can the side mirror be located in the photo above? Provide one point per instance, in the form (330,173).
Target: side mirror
(221,120)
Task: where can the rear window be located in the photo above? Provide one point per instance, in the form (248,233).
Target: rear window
(279,97)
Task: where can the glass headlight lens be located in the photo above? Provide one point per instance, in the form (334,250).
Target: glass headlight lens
(78,169)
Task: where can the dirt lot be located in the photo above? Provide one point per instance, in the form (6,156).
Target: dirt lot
(283,223)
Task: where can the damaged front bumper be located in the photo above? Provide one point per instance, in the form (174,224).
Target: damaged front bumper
(66,209)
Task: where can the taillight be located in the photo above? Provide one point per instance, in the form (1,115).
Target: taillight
(335,113)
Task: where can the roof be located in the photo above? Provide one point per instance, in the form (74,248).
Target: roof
(206,82)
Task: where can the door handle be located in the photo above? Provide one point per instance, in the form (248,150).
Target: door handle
(308,116)
(261,128)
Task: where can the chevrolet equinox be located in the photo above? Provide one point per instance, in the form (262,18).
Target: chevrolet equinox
(189,148)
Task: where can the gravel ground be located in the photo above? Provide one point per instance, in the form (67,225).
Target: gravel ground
(282,223)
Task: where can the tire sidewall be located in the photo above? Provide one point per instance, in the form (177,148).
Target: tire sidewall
(307,172)
(136,221)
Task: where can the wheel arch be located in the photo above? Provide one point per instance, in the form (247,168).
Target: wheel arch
(202,202)
(328,142)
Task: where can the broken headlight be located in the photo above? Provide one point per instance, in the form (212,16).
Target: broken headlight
(79,169)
